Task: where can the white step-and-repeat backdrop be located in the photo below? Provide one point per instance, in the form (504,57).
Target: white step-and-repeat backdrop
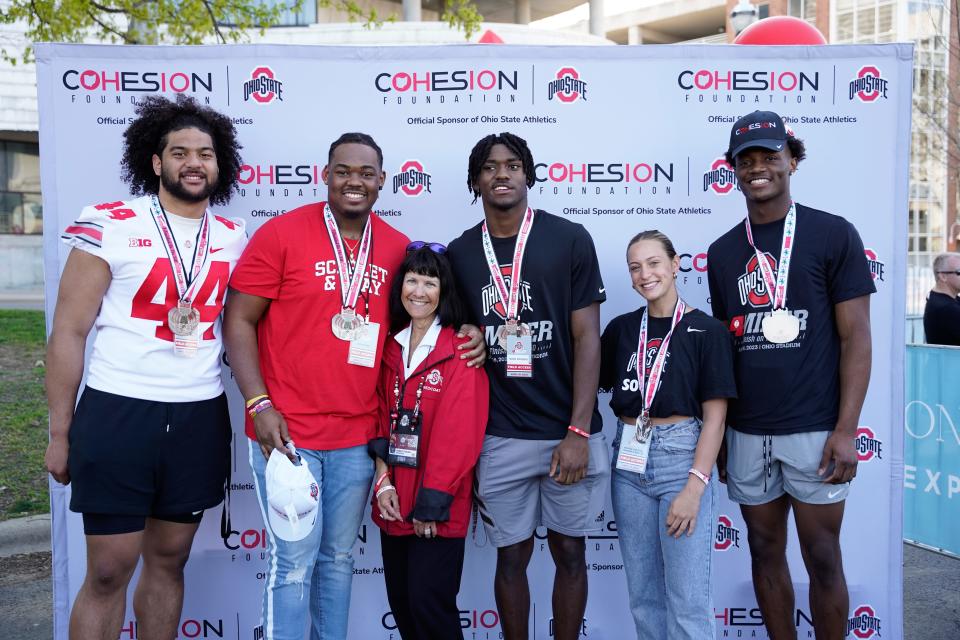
(625,139)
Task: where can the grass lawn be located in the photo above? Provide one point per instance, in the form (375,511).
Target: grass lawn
(23,414)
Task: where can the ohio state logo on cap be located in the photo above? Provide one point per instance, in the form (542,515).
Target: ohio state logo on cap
(412,180)
(262,86)
(876,266)
(568,87)
(867,445)
(868,85)
(864,623)
(720,177)
(727,535)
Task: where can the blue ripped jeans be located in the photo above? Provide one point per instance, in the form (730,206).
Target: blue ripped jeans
(668,579)
(315,574)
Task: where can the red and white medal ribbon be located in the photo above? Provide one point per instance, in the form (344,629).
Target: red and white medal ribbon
(185,285)
(648,386)
(350,281)
(511,298)
(777,286)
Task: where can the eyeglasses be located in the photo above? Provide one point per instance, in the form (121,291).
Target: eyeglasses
(955,272)
(436,247)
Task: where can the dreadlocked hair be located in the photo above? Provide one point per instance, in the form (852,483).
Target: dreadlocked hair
(481,152)
(157,117)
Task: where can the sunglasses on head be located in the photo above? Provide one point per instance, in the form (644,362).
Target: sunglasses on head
(436,247)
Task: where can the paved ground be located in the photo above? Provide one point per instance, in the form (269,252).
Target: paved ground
(931,589)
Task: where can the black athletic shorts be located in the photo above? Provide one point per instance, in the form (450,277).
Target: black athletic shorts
(132,457)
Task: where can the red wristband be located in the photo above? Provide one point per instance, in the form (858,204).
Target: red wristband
(578,431)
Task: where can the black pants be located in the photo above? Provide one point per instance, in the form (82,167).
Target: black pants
(423,580)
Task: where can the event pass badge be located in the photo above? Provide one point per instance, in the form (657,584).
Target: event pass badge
(363,349)
(519,356)
(632,454)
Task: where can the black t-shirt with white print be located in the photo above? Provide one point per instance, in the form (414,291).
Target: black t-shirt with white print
(698,365)
(792,387)
(560,274)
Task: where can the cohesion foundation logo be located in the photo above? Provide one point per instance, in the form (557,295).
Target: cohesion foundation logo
(868,86)
(720,178)
(864,623)
(567,87)
(876,266)
(727,536)
(412,180)
(263,86)
(867,445)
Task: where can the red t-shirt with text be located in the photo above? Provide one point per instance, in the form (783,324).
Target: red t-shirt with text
(327,403)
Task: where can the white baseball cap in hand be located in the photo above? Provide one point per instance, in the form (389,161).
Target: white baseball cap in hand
(293,497)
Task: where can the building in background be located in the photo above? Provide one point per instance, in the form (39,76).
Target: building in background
(935,151)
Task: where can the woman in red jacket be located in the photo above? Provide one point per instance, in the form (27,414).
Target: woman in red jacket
(433,413)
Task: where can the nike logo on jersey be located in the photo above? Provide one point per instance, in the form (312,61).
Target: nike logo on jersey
(692,330)
(833,494)
(602,289)
(212,250)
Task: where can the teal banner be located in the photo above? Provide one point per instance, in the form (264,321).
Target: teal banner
(931,452)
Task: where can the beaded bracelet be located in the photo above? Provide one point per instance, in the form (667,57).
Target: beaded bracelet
(260,407)
(252,401)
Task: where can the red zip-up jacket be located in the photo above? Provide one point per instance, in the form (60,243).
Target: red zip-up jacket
(454,417)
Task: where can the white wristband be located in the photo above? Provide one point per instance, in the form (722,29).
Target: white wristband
(703,478)
(384,489)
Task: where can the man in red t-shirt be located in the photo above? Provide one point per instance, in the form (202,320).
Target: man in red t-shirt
(304,328)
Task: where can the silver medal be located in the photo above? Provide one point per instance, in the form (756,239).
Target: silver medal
(780,327)
(347,325)
(183,319)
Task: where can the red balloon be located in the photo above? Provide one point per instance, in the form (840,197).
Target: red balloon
(780,30)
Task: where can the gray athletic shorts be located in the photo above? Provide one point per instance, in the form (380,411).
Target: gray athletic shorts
(762,468)
(515,495)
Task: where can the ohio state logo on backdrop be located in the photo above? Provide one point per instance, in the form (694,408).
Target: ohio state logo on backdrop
(720,178)
(262,86)
(868,85)
(864,623)
(867,444)
(491,297)
(876,266)
(727,535)
(568,87)
(412,180)
(751,286)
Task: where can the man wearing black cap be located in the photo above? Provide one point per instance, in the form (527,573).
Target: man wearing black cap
(793,285)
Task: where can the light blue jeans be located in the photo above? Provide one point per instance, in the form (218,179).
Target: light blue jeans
(319,567)
(668,579)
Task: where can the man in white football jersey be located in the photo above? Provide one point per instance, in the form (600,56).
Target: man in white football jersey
(147,446)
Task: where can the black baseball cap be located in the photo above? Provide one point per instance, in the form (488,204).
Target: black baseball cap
(758,129)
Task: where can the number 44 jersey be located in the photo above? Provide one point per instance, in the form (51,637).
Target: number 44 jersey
(133,351)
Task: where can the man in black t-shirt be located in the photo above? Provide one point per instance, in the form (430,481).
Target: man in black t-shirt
(802,349)
(941,316)
(532,281)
